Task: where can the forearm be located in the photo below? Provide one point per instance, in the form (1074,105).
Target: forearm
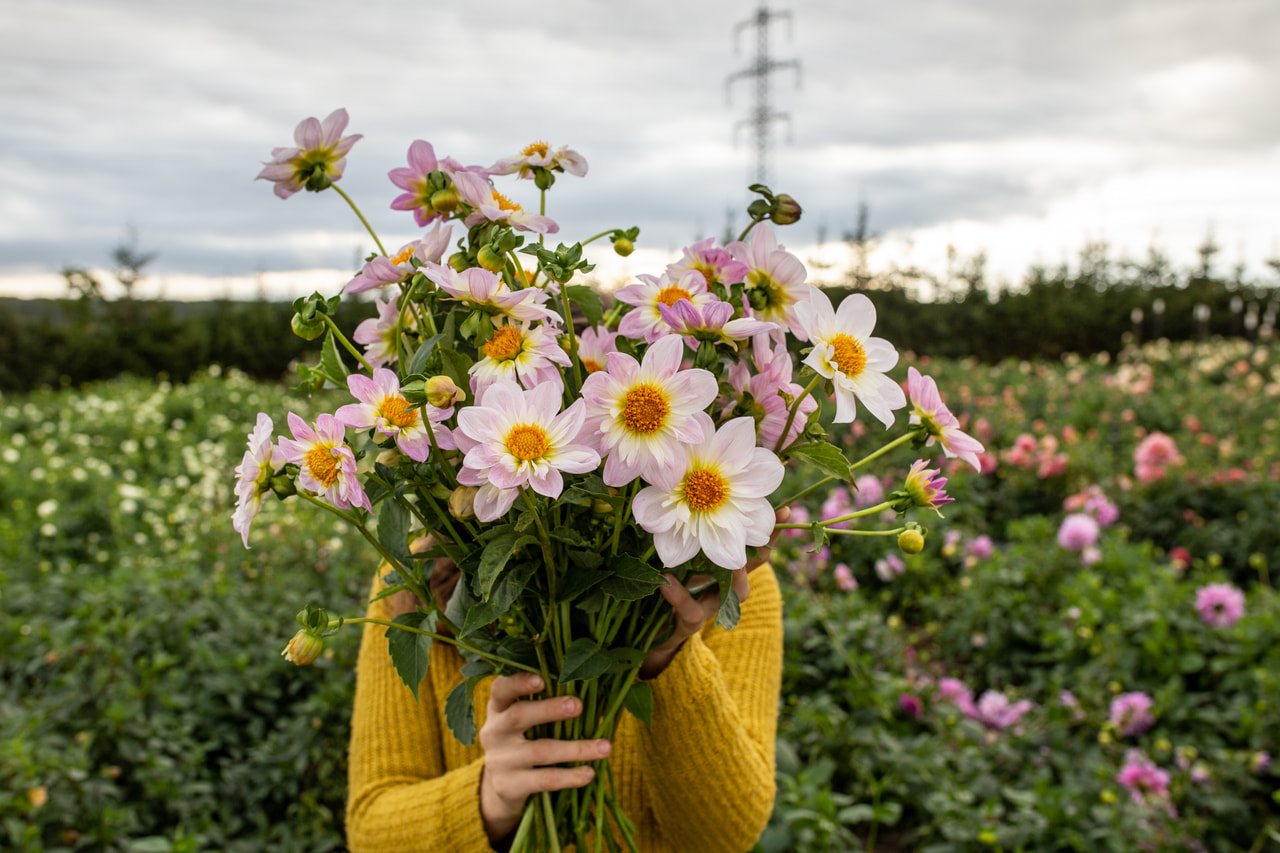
(406,816)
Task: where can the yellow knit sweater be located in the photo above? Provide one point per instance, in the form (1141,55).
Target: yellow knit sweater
(701,781)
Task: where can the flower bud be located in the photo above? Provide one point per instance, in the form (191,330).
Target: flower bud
(600,506)
(445,200)
(308,330)
(304,648)
(389,457)
(786,210)
(491,259)
(623,247)
(910,542)
(458,261)
(443,393)
(462,503)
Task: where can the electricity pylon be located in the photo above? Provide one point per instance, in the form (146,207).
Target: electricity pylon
(763,115)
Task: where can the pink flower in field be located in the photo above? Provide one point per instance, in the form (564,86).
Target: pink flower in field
(327,467)
(378,334)
(868,491)
(520,352)
(538,155)
(713,323)
(775,281)
(1153,457)
(889,567)
(1078,532)
(316,162)
(646,321)
(940,425)
(479,288)
(924,487)
(715,265)
(641,414)
(490,205)
(912,704)
(1052,465)
(382,407)
(980,547)
(995,711)
(1144,779)
(957,693)
(715,499)
(1180,558)
(1068,699)
(515,439)
(760,394)
(254,475)
(433,201)
(1260,762)
(382,270)
(1131,714)
(1220,604)
(837,504)
(1093,502)
(594,345)
(799,515)
(844,578)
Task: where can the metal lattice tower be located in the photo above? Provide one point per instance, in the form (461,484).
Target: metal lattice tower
(763,115)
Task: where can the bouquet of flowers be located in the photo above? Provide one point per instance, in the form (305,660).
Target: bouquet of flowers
(564,453)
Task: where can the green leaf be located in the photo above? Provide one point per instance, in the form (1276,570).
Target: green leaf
(460,710)
(389,591)
(624,659)
(583,661)
(410,651)
(455,365)
(577,580)
(419,361)
(497,552)
(730,608)
(570,536)
(630,579)
(825,456)
(331,361)
(639,701)
(393,530)
(588,300)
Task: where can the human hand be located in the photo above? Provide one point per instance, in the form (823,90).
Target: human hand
(516,767)
(690,614)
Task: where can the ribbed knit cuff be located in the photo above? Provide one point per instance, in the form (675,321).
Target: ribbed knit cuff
(690,677)
(462,811)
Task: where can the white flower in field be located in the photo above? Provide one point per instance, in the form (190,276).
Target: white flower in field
(48,530)
(47,508)
(11,456)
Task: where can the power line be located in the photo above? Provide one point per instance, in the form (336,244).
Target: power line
(763,115)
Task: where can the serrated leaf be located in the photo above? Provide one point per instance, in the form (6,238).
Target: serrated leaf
(389,591)
(583,661)
(331,361)
(410,651)
(639,701)
(393,530)
(570,536)
(578,580)
(588,300)
(455,365)
(586,559)
(419,361)
(624,659)
(497,552)
(460,710)
(630,579)
(730,608)
(826,457)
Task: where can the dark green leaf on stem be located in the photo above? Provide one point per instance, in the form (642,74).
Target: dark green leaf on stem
(588,300)
(730,608)
(624,660)
(410,650)
(331,362)
(630,579)
(639,701)
(497,552)
(460,710)
(825,456)
(393,530)
(583,661)
(419,361)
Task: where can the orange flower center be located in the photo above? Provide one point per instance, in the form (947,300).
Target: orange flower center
(505,203)
(591,365)
(705,490)
(404,255)
(645,409)
(527,441)
(673,294)
(504,344)
(396,410)
(539,148)
(708,273)
(848,354)
(322,465)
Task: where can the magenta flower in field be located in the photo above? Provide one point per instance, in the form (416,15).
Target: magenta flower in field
(844,352)
(431,202)
(1220,604)
(912,704)
(924,487)
(775,281)
(928,410)
(316,162)
(995,711)
(382,407)
(645,321)
(868,491)
(844,578)
(1153,457)
(1078,532)
(1131,713)
(538,155)
(479,288)
(956,692)
(515,438)
(889,567)
(713,323)
(716,265)
(327,465)
(254,475)
(714,498)
(1144,779)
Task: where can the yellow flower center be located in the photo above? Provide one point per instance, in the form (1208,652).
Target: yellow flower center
(527,441)
(645,409)
(322,465)
(673,294)
(848,354)
(705,490)
(708,273)
(396,410)
(504,344)
(505,203)
(405,255)
(539,148)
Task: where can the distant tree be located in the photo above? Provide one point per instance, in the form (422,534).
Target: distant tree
(129,261)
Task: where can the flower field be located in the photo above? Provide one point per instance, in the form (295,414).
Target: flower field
(1083,657)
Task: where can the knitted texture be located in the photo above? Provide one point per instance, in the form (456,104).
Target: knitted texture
(702,781)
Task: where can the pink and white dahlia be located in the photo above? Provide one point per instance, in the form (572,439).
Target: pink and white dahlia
(514,439)
(482,289)
(378,334)
(317,160)
(522,353)
(924,487)
(760,394)
(594,345)
(538,155)
(490,205)
(327,465)
(712,323)
(844,578)
(1131,713)
(1146,782)
(715,265)
(254,475)
(956,692)
(1153,456)
(645,321)
(430,202)
(1078,532)
(714,499)
(928,410)
(383,270)
(383,408)
(994,710)
(641,414)
(845,353)
(775,280)
(1220,604)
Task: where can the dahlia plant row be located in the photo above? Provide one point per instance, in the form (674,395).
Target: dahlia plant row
(564,454)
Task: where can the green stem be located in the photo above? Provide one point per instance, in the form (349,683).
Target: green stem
(827,522)
(342,339)
(519,842)
(795,407)
(617,519)
(367,226)
(900,440)
(806,490)
(595,237)
(894,532)
(573,340)
(355,522)
(745,231)
(454,641)
(552,835)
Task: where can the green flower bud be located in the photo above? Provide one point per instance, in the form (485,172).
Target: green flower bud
(491,259)
(786,210)
(458,261)
(623,247)
(462,503)
(910,542)
(442,392)
(308,330)
(445,200)
(304,648)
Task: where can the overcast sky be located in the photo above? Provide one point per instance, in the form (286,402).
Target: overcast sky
(1022,127)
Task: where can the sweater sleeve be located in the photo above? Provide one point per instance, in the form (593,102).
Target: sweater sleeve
(715,717)
(400,798)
